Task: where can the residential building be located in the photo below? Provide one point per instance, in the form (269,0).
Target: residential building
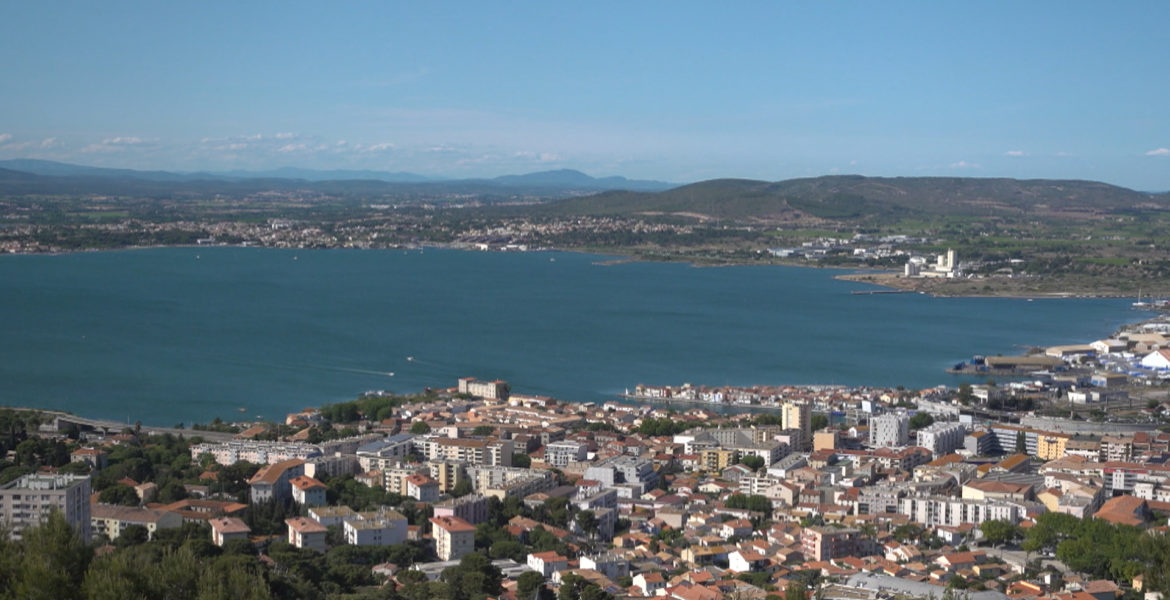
(547,563)
(29,499)
(932,511)
(471,508)
(942,438)
(384,453)
(631,470)
(560,454)
(890,430)
(225,529)
(453,536)
(331,515)
(307,491)
(447,473)
(422,488)
(611,565)
(111,520)
(256,452)
(475,451)
(304,532)
(797,415)
(273,482)
(826,543)
(96,459)
(378,528)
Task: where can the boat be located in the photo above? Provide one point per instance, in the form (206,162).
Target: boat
(1139,303)
(409,359)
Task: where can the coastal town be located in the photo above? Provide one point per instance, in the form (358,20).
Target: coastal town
(1022,487)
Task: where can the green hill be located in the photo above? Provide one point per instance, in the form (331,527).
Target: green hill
(857,198)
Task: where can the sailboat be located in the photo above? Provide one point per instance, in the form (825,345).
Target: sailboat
(1139,303)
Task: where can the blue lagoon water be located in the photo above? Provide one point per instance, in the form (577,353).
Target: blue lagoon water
(187,334)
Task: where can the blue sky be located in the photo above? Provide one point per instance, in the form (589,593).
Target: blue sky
(677,91)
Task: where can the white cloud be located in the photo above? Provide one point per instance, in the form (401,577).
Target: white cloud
(1159,152)
(962,164)
(124,141)
(285,136)
(1015,153)
(4,137)
(380,147)
(292,148)
(50,143)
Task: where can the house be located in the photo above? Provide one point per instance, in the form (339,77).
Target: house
(649,583)
(547,563)
(96,459)
(746,561)
(225,529)
(307,491)
(306,533)
(1125,510)
(736,527)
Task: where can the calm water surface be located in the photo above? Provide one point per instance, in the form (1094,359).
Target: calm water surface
(187,334)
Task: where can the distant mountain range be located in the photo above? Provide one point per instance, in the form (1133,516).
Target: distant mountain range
(839,198)
(59,176)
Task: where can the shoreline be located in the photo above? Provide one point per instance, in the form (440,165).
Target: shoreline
(875,276)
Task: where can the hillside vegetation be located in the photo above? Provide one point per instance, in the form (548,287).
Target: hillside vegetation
(870,199)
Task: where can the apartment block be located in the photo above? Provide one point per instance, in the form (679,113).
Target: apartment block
(29,499)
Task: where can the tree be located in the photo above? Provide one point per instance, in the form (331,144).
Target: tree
(920,420)
(752,462)
(999,532)
(121,494)
(819,422)
(588,523)
(795,591)
(1021,443)
(483,430)
(529,585)
(462,488)
(521,460)
(965,395)
(420,427)
(132,535)
(53,562)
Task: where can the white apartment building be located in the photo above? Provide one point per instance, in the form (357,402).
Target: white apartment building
(492,452)
(891,430)
(560,454)
(256,452)
(942,438)
(453,536)
(931,511)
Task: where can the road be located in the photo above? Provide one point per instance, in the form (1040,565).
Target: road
(118,426)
